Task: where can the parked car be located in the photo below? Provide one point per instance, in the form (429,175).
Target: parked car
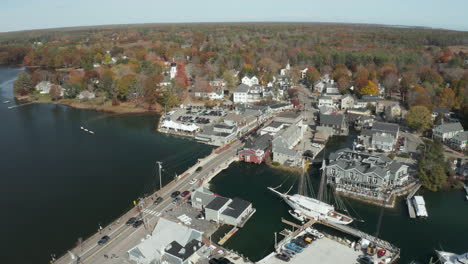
(365,259)
(288,252)
(185,194)
(193,181)
(175,194)
(283,257)
(137,223)
(131,220)
(300,242)
(381,252)
(294,247)
(176,200)
(103,240)
(199,169)
(158,200)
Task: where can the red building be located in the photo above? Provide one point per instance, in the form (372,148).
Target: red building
(256,150)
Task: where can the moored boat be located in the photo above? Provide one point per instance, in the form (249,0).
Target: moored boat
(452,258)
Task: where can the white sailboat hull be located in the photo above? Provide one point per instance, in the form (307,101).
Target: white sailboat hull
(317,215)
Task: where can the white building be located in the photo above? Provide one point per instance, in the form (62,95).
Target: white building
(248,94)
(250,81)
(44,87)
(173,70)
(446,131)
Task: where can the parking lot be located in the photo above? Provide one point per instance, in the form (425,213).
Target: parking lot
(198,115)
(190,216)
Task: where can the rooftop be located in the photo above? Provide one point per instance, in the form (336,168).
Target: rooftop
(183,252)
(236,207)
(449,127)
(335,120)
(217,203)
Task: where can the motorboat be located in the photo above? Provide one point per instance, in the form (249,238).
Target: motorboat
(86,130)
(91,132)
(420,206)
(82,128)
(452,258)
(6,102)
(297,215)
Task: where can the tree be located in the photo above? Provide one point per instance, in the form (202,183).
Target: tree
(390,82)
(369,89)
(361,72)
(55,92)
(432,168)
(23,85)
(312,75)
(71,90)
(446,98)
(340,71)
(230,80)
(419,118)
(125,86)
(106,83)
(343,83)
(419,95)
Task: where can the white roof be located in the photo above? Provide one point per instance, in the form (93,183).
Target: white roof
(178,126)
(163,234)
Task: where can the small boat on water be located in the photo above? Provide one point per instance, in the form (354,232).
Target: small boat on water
(6,102)
(82,128)
(297,215)
(86,130)
(452,258)
(91,132)
(420,206)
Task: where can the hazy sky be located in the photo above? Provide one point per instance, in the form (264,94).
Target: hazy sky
(34,14)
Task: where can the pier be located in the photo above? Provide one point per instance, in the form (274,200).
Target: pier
(411,210)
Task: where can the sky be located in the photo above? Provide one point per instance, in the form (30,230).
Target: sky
(37,14)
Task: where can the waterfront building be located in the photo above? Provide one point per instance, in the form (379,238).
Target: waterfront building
(290,118)
(273,128)
(283,144)
(363,170)
(228,211)
(201,197)
(446,131)
(256,150)
(166,243)
(43,87)
(382,136)
(337,122)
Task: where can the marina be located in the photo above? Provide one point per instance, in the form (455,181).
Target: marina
(409,201)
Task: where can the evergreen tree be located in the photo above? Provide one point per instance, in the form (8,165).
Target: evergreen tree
(23,85)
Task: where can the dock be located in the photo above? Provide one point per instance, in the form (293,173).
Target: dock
(227,236)
(411,210)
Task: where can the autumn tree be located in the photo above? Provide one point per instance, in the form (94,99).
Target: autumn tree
(431,76)
(419,95)
(343,83)
(312,75)
(431,167)
(340,71)
(419,118)
(361,73)
(370,89)
(55,92)
(23,85)
(230,80)
(446,98)
(152,89)
(125,86)
(106,83)
(71,90)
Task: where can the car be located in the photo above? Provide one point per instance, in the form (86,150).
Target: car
(294,247)
(283,257)
(288,252)
(131,220)
(175,194)
(185,194)
(300,242)
(137,223)
(103,240)
(365,259)
(199,169)
(193,181)
(176,200)
(381,252)
(158,200)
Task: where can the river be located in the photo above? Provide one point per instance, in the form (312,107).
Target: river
(59,183)
(446,228)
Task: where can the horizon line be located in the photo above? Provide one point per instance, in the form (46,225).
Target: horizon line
(234,22)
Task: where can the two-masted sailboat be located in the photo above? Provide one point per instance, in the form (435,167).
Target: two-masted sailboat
(313,208)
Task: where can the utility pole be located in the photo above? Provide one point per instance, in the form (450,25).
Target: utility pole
(160,168)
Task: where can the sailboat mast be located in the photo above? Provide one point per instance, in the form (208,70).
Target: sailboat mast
(323,182)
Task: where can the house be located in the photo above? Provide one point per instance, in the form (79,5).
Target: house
(256,150)
(364,170)
(233,212)
(459,141)
(166,81)
(243,122)
(322,134)
(446,131)
(86,95)
(289,118)
(158,245)
(179,127)
(248,94)
(250,81)
(440,111)
(218,134)
(382,136)
(347,101)
(173,70)
(367,100)
(326,101)
(393,112)
(283,143)
(218,83)
(43,87)
(201,197)
(337,122)
(261,112)
(280,107)
(273,128)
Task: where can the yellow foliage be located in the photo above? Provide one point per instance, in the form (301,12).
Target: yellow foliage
(370,89)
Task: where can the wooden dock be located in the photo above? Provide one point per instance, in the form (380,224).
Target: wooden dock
(411,210)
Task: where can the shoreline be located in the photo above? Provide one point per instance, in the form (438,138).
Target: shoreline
(124,108)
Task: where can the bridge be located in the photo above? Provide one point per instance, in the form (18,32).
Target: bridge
(123,237)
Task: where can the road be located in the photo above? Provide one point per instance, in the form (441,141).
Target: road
(123,238)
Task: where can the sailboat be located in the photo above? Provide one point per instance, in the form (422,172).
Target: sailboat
(314,208)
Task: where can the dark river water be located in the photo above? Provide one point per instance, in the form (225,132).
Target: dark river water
(58,184)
